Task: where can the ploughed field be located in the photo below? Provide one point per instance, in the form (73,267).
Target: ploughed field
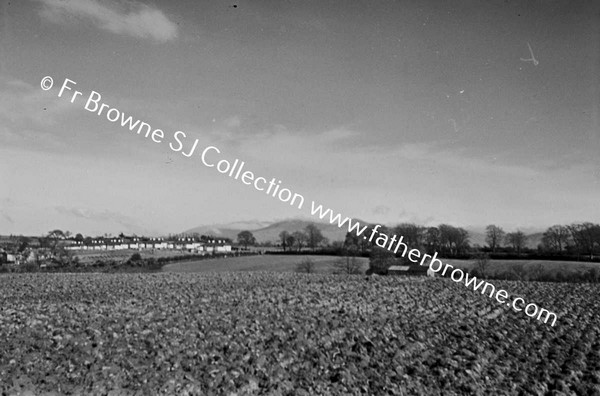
(268,262)
(248,333)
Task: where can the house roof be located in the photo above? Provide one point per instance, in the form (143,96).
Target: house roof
(399,268)
(409,269)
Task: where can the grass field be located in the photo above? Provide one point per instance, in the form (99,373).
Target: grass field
(87,257)
(549,267)
(281,263)
(267,262)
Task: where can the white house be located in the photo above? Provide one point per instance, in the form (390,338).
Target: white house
(224,248)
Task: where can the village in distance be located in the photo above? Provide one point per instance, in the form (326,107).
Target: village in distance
(560,253)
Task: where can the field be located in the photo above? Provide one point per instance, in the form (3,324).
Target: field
(267,262)
(548,267)
(91,256)
(250,333)
(323,264)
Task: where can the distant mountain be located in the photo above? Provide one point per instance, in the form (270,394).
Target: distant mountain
(269,231)
(228,230)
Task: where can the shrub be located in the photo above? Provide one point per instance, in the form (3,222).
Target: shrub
(482,262)
(29,267)
(380,260)
(593,275)
(306,266)
(347,265)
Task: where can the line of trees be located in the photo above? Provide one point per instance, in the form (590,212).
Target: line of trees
(445,239)
(517,240)
(496,238)
(48,247)
(577,239)
(311,237)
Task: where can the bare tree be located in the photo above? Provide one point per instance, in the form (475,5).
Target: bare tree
(291,241)
(284,238)
(347,266)
(299,239)
(461,240)
(314,237)
(306,266)
(517,271)
(517,240)
(482,262)
(586,237)
(556,238)
(351,242)
(432,239)
(494,236)
(414,235)
(455,240)
(52,241)
(536,272)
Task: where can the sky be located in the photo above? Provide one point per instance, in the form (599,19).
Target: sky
(465,112)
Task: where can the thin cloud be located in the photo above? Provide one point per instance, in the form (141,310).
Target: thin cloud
(90,214)
(381,210)
(27,115)
(128,223)
(134,19)
(23,102)
(8,218)
(233,122)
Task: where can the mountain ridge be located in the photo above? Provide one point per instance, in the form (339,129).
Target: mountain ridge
(268,231)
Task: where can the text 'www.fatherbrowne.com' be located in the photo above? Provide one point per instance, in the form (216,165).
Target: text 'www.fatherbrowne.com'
(395,244)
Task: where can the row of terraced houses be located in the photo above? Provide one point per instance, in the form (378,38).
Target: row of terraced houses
(189,244)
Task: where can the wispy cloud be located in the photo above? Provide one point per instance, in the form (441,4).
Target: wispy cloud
(7,217)
(134,19)
(381,210)
(128,223)
(23,102)
(86,213)
(28,118)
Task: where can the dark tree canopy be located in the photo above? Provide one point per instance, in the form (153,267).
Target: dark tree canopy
(517,240)
(494,236)
(299,239)
(246,238)
(284,238)
(314,237)
(556,238)
(454,240)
